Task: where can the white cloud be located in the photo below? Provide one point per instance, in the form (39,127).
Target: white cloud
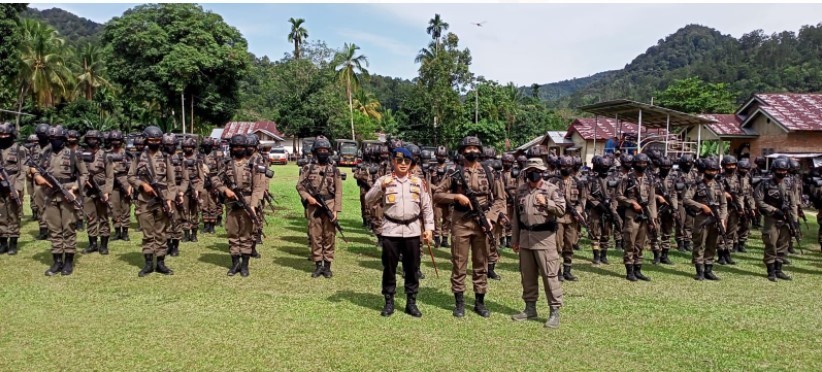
(528,43)
(392,45)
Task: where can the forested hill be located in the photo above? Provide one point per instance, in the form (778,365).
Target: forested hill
(756,62)
(77,30)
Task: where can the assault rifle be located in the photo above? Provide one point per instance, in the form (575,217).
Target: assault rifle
(8,183)
(55,184)
(477,211)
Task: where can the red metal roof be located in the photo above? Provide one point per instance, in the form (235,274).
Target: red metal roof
(725,124)
(794,111)
(605,128)
(248,127)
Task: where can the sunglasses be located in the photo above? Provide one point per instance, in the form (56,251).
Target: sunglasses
(403,160)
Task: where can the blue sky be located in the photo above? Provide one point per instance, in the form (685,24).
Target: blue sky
(523,43)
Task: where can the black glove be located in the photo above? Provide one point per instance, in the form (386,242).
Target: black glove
(778,214)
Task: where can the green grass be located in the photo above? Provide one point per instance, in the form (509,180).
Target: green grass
(106,318)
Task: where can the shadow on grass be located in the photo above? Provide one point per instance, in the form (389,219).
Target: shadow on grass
(300,264)
(737,271)
(301,251)
(371,264)
(220,260)
(299,240)
(597,270)
(794,269)
(666,269)
(135,259)
(370,301)
(44,256)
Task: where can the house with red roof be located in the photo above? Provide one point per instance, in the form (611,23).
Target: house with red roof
(587,137)
(785,123)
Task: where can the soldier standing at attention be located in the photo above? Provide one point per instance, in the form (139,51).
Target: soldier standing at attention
(175,230)
(134,155)
(208,157)
(60,214)
(668,208)
(31,146)
(746,193)
(96,197)
(442,216)
(240,180)
(778,206)
(538,204)
(256,159)
(13,159)
(405,198)
(321,180)
(42,132)
(509,181)
(599,203)
(732,188)
(191,199)
(467,235)
(154,166)
(119,190)
(636,194)
(703,196)
(568,230)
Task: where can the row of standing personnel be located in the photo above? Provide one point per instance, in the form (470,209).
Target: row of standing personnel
(97,183)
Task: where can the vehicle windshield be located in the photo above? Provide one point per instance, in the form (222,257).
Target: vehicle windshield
(348,150)
(278,151)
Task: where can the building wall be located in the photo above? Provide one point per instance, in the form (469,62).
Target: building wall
(774,137)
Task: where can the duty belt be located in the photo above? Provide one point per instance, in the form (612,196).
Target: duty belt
(66,180)
(399,221)
(548,226)
(327,197)
(460,208)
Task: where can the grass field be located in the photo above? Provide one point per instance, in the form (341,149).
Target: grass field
(106,318)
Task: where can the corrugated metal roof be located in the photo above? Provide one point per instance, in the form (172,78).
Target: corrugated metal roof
(726,125)
(217,133)
(530,143)
(652,116)
(605,128)
(794,111)
(558,137)
(247,127)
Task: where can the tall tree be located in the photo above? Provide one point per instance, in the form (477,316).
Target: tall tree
(436,26)
(90,68)
(349,68)
(9,49)
(42,71)
(693,95)
(161,52)
(297,35)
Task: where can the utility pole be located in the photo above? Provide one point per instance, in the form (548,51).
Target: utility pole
(476,103)
(183,115)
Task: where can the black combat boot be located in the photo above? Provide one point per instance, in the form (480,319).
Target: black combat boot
(92,245)
(709,272)
(235,266)
(700,272)
(603,257)
(728,258)
(103,245)
(12,246)
(771,272)
(116,235)
(779,273)
(411,306)
(721,256)
(639,275)
(161,266)
(687,246)
(436,242)
(148,268)
(254,252)
(57,266)
(327,273)
(244,265)
(170,247)
(553,318)
(741,247)
(566,273)
(68,264)
(656,257)
(619,244)
(507,242)
(186,236)
(4,245)
(459,305)
(791,250)
(530,312)
(259,239)
(479,306)
(596,260)
(664,259)
(576,247)
(318,269)
(220,220)
(445,242)
(419,274)
(124,234)
(491,273)
(388,308)
(176,246)
(194,235)
(679,246)
(80,225)
(43,235)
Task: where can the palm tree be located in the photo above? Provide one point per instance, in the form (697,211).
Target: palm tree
(89,63)
(435,28)
(426,54)
(367,105)
(297,35)
(349,68)
(43,71)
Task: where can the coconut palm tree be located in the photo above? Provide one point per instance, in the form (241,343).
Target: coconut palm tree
(91,68)
(43,71)
(436,26)
(366,104)
(297,35)
(349,69)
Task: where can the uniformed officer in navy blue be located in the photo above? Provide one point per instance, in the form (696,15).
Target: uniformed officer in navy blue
(404,198)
